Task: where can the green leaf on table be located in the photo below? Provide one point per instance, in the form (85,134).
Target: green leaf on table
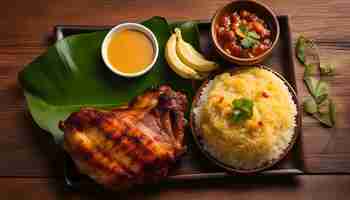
(321,91)
(310,69)
(308,55)
(300,49)
(71,75)
(311,84)
(307,51)
(326,113)
(327,69)
(324,118)
(310,105)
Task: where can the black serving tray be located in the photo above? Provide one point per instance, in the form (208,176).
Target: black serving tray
(193,165)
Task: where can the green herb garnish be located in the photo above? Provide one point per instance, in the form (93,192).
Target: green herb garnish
(248,42)
(253,34)
(243,29)
(250,38)
(242,110)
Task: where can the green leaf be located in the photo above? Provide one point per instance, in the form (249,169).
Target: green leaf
(243,28)
(328,116)
(310,69)
(311,84)
(300,49)
(307,51)
(321,91)
(324,119)
(71,75)
(189,31)
(248,42)
(308,54)
(242,110)
(310,106)
(250,39)
(253,34)
(327,69)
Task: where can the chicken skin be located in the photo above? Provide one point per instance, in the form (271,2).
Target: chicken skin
(123,147)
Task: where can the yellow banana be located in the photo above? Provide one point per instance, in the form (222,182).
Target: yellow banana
(176,64)
(190,56)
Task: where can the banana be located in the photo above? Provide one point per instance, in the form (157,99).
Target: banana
(176,64)
(190,56)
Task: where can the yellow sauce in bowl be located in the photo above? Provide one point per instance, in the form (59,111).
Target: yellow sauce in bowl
(130,51)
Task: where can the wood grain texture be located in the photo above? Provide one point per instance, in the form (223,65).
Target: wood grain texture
(301,187)
(26,151)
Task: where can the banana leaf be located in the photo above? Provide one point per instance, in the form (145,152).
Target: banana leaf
(71,74)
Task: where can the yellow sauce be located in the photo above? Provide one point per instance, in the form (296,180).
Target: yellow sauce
(130,51)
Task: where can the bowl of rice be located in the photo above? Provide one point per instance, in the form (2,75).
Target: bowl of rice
(259,141)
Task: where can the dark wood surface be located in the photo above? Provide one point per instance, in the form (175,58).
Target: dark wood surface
(31,165)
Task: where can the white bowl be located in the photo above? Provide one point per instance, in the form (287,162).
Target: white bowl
(129,26)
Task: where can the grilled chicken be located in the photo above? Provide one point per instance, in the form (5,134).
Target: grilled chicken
(128,146)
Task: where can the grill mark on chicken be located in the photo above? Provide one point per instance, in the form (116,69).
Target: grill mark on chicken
(93,157)
(127,146)
(121,141)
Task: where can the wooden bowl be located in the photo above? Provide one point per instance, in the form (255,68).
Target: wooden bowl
(196,132)
(263,12)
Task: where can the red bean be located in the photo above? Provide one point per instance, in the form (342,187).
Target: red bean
(234,18)
(224,21)
(220,31)
(245,53)
(234,49)
(229,36)
(226,33)
(244,13)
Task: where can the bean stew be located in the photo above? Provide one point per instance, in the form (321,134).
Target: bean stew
(243,34)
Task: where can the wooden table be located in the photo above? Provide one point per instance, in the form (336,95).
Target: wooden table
(30,165)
